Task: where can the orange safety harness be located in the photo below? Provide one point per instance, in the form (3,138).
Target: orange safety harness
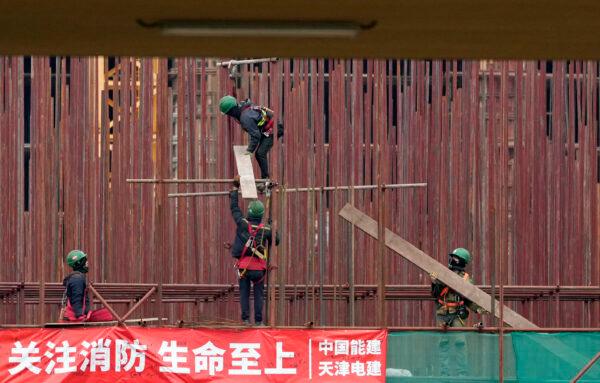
(444,293)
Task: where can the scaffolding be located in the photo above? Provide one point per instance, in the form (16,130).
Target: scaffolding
(500,158)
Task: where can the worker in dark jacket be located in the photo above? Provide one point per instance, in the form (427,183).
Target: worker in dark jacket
(251,249)
(257,121)
(76,298)
(452,310)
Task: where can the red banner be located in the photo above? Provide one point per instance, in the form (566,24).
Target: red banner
(114,354)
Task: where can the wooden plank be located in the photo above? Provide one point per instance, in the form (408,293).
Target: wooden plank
(245,171)
(428,264)
(469,291)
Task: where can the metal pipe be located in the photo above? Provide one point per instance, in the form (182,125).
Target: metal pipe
(308,189)
(186,181)
(199,194)
(585,368)
(249,61)
(138,304)
(104,302)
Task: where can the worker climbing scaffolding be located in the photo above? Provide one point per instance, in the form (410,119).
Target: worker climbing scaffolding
(250,247)
(258,122)
(253,237)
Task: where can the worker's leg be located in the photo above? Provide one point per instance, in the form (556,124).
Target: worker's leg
(460,347)
(443,347)
(265,144)
(258,281)
(245,296)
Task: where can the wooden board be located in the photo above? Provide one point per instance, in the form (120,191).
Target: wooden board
(471,292)
(245,171)
(430,265)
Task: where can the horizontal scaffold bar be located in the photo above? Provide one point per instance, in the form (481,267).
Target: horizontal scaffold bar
(309,189)
(184,181)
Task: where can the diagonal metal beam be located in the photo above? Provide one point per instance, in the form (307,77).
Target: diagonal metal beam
(586,368)
(138,304)
(105,303)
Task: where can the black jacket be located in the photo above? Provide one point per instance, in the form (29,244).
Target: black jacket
(241,233)
(249,119)
(76,284)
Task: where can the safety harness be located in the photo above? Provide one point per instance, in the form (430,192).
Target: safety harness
(265,123)
(442,298)
(250,245)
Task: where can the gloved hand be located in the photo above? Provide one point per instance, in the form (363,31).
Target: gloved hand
(279,130)
(482,311)
(433,276)
(247,153)
(236,181)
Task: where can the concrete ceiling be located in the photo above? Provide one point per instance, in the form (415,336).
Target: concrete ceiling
(524,29)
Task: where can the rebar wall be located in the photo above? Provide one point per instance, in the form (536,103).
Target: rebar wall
(509,152)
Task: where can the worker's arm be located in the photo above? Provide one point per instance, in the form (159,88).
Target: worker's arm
(473,306)
(253,130)
(236,212)
(276,238)
(436,288)
(76,288)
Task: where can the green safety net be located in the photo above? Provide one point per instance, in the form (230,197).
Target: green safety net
(428,356)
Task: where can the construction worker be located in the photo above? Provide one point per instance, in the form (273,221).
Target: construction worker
(75,296)
(250,248)
(257,121)
(452,310)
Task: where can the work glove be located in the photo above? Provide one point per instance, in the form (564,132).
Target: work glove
(247,153)
(482,311)
(236,181)
(433,276)
(279,130)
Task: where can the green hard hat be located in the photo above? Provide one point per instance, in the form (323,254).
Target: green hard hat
(75,256)
(256,209)
(462,254)
(227,103)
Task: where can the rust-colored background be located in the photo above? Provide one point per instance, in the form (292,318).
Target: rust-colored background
(509,152)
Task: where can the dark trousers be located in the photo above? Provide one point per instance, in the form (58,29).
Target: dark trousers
(258,283)
(265,144)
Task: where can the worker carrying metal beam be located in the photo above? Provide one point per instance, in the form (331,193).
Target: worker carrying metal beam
(76,302)
(258,122)
(452,310)
(251,249)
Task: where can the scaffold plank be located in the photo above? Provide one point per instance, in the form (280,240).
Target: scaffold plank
(244,166)
(430,265)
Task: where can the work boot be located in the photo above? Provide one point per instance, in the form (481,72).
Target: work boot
(246,322)
(260,324)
